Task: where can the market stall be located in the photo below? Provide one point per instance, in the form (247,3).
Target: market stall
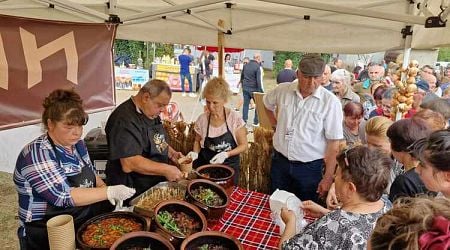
(171,74)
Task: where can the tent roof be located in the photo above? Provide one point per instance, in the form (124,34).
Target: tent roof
(341,26)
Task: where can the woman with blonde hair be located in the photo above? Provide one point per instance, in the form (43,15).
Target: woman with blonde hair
(413,223)
(220,132)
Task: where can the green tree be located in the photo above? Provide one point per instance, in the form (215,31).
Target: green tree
(136,49)
(281,56)
(444,55)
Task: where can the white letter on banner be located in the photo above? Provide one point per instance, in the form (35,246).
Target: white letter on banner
(3,66)
(34,55)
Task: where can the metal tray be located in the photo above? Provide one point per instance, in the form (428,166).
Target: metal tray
(149,212)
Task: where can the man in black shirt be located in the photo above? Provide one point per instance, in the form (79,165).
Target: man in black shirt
(138,152)
(287,74)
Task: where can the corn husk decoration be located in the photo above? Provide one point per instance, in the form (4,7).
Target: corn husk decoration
(256,162)
(406,86)
(181,135)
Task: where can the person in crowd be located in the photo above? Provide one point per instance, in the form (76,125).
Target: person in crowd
(439,105)
(54,174)
(413,223)
(228,62)
(308,132)
(375,74)
(341,82)
(185,60)
(287,74)
(433,153)
(361,178)
(138,151)
(391,74)
(326,83)
(425,71)
(386,104)
(378,91)
(435,121)
(432,83)
(353,128)
(446,93)
(251,82)
(337,64)
(356,70)
(402,134)
(206,65)
(221,135)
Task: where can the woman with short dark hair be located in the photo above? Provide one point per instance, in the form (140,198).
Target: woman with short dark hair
(433,153)
(402,134)
(361,178)
(353,130)
(54,174)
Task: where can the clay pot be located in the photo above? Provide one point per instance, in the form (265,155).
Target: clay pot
(178,206)
(211,212)
(220,174)
(101,217)
(197,240)
(142,240)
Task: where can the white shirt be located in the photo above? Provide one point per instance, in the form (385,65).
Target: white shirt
(304,124)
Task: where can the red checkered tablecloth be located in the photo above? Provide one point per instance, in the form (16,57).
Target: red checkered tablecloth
(247,218)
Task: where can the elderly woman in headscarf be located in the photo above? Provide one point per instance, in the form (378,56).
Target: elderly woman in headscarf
(341,82)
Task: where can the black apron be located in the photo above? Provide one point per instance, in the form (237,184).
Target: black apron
(215,145)
(159,152)
(36,231)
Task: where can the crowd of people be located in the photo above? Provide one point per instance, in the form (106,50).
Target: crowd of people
(336,148)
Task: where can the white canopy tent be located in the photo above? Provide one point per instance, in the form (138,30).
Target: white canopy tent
(340,26)
(332,26)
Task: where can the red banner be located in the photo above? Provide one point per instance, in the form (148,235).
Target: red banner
(38,56)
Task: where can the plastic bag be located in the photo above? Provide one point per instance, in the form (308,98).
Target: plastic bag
(280,199)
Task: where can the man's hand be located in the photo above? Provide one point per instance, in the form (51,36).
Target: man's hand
(324,185)
(172,173)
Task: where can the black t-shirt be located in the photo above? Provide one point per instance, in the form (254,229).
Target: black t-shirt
(127,135)
(407,184)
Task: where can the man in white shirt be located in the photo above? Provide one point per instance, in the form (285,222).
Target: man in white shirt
(308,131)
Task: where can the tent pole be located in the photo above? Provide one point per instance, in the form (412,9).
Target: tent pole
(220,47)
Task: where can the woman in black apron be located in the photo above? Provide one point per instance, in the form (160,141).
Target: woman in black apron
(223,148)
(54,175)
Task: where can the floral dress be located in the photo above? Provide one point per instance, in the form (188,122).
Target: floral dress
(338,229)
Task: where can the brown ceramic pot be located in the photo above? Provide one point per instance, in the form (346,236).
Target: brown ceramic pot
(199,239)
(220,174)
(212,212)
(141,240)
(178,206)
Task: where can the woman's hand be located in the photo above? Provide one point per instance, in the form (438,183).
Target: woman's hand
(313,209)
(287,216)
(332,201)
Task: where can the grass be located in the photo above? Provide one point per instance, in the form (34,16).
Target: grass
(8,212)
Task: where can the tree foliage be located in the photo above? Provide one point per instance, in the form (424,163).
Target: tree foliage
(444,55)
(281,56)
(144,50)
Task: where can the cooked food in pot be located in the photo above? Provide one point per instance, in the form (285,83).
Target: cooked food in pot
(215,173)
(212,247)
(179,223)
(207,197)
(104,232)
(154,196)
